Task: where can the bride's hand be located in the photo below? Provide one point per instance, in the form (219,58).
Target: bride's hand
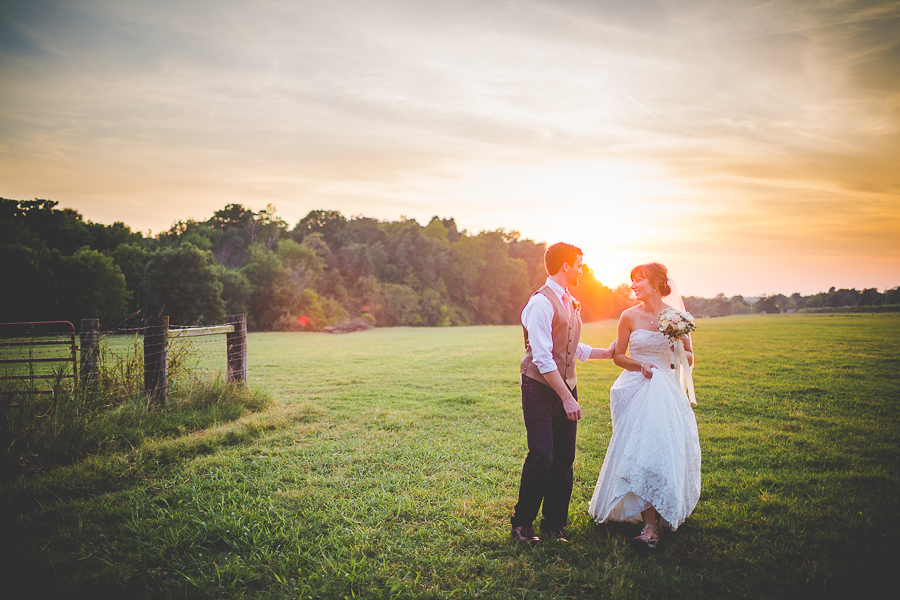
(647,369)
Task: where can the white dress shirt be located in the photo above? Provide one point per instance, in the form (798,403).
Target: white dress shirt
(537,317)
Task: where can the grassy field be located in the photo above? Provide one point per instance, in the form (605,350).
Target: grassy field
(390,466)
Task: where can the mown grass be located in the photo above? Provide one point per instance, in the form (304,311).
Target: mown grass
(391,464)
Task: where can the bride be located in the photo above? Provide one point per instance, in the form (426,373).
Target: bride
(651,471)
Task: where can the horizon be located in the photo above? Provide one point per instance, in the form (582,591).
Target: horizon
(151,234)
(751,148)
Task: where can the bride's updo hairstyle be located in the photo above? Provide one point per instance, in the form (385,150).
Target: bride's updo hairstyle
(657,274)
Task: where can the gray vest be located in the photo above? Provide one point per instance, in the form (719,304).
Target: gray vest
(565,331)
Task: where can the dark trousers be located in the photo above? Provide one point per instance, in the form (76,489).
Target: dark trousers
(547,473)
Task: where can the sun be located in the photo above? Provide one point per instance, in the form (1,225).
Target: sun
(620,213)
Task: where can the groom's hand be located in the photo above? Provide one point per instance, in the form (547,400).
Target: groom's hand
(573,409)
(570,404)
(603,353)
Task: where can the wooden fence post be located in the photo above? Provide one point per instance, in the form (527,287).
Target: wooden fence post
(90,351)
(236,348)
(156,358)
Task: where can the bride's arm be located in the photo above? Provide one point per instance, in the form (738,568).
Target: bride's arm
(623,332)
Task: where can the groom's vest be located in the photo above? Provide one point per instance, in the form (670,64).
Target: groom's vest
(566,331)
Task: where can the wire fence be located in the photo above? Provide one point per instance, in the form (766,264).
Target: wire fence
(35,356)
(43,358)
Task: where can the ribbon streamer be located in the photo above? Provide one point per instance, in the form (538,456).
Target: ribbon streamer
(683,371)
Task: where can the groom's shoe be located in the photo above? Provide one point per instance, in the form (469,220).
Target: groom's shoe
(555,534)
(525,533)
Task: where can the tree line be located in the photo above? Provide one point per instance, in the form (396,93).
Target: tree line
(326,270)
(720,306)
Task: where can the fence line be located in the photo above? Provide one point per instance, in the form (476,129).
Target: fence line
(200,331)
(157,338)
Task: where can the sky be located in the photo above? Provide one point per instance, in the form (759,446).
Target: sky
(752,147)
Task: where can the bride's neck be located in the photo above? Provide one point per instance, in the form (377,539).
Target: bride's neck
(654,305)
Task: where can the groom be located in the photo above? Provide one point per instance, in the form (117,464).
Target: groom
(552,321)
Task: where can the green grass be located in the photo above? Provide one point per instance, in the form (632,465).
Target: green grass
(112,413)
(391,464)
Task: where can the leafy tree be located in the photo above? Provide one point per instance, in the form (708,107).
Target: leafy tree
(233,216)
(333,312)
(180,281)
(132,261)
(782,302)
(400,306)
(264,271)
(106,238)
(720,306)
(434,309)
(363,230)
(330,223)
(300,260)
(815,301)
(463,277)
(766,304)
(30,291)
(739,306)
(239,228)
(327,269)
(91,286)
(869,297)
(236,291)
(533,255)
(268,227)
(503,282)
(282,293)
(201,235)
(843,297)
(61,229)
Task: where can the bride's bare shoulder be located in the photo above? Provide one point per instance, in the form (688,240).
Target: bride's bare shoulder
(629,312)
(627,316)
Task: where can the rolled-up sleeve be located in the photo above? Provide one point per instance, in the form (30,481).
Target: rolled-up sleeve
(583,353)
(537,318)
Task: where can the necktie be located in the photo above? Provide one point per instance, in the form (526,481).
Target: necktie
(567,302)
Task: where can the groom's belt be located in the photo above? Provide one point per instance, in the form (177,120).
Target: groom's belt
(527,379)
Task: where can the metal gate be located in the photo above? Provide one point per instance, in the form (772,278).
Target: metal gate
(32,353)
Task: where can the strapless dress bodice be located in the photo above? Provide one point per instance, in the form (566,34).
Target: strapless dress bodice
(649,346)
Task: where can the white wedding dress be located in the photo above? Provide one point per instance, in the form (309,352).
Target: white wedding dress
(654,454)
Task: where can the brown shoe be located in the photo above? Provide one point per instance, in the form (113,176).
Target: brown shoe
(555,534)
(525,533)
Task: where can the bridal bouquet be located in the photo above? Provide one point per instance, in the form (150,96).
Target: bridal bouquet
(675,325)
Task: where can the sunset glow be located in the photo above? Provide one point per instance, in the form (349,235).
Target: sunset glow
(753,147)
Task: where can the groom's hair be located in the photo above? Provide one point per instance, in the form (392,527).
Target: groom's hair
(560,253)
